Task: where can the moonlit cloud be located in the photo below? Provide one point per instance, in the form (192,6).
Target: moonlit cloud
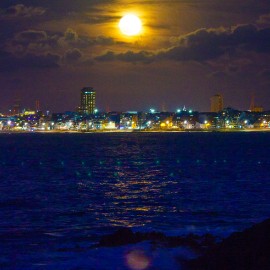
(73,56)
(202,45)
(188,49)
(21,10)
(264,19)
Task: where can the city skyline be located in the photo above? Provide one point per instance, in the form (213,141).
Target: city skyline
(185,52)
(87,104)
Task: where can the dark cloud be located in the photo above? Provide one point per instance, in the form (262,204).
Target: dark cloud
(108,56)
(23,11)
(100,19)
(32,40)
(233,68)
(87,62)
(264,19)
(48,60)
(40,41)
(203,45)
(200,46)
(58,6)
(129,56)
(265,74)
(70,35)
(31,36)
(207,44)
(72,38)
(11,63)
(73,56)
(218,74)
(102,40)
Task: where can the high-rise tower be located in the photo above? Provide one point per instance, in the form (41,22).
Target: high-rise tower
(37,106)
(216,103)
(16,106)
(252,103)
(88,100)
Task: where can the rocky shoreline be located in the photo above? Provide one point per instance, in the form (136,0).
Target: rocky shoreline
(247,250)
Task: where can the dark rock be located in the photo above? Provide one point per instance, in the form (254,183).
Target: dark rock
(125,236)
(247,250)
(122,236)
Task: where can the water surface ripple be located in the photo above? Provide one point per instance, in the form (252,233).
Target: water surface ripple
(68,188)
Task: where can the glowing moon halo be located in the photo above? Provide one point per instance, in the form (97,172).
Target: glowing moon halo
(130,25)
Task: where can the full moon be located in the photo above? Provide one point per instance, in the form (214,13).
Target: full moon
(130,25)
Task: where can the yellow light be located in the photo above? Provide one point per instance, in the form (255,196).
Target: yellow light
(29,112)
(130,25)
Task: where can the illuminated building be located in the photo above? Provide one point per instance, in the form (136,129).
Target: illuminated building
(26,113)
(88,100)
(254,108)
(257,109)
(37,106)
(216,103)
(16,106)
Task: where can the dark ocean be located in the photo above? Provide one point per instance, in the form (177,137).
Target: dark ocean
(59,193)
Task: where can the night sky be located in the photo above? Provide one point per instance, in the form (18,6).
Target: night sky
(187,51)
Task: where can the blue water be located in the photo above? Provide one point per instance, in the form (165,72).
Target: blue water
(66,190)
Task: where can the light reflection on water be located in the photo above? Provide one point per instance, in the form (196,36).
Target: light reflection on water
(83,185)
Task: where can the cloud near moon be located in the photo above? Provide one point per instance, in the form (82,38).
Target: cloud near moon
(202,45)
(79,43)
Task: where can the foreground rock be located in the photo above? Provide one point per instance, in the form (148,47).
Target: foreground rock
(125,236)
(247,250)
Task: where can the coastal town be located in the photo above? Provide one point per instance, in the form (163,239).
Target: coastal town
(87,118)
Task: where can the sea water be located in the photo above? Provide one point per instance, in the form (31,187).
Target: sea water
(59,193)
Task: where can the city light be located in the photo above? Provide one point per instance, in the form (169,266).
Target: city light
(88,118)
